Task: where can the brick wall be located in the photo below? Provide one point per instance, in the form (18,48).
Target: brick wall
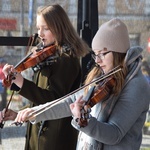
(135,13)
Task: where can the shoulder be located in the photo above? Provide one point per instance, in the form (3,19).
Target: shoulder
(68,60)
(137,89)
(138,82)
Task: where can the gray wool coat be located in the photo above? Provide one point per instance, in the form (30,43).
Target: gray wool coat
(122,129)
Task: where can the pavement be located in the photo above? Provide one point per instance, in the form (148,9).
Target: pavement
(145,142)
(13,138)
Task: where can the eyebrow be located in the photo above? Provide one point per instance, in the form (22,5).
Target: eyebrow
(44,25)
(103,51)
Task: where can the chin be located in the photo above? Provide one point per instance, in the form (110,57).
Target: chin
(106,71)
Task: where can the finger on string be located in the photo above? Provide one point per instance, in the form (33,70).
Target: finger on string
(79,99)
(87,108)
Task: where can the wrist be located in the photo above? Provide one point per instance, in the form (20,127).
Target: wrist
(18,80)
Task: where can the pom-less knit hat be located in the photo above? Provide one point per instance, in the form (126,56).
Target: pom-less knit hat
(112,35)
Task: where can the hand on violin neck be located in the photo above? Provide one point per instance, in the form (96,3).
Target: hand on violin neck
(81,112)
(13,78)
(87,109)
(76,107)
(7,69)
(9,73)
(85,115)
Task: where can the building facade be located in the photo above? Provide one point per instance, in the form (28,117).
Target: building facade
(17,18)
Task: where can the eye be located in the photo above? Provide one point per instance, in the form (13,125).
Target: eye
(46,29)
(38,28)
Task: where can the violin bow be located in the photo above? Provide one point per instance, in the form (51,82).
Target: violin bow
(31,41)
(46,107)
(7,106)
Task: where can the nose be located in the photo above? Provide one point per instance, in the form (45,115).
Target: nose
(98,60)
(40,33)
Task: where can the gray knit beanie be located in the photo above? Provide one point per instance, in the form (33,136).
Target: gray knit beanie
(112,35)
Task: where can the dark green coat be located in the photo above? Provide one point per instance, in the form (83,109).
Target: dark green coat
(53,81)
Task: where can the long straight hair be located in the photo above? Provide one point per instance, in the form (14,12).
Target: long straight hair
(59,24)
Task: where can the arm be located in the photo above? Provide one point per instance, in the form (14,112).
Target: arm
(52,82)
(127,116)
(53,110)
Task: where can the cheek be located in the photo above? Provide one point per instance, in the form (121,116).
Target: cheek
(110,65)
(50,36)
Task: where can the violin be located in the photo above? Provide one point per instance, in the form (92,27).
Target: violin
(29,61)
(100,93)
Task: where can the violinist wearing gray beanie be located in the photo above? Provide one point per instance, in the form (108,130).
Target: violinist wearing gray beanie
(113,121)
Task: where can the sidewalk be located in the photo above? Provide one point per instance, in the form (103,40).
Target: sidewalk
(12,137)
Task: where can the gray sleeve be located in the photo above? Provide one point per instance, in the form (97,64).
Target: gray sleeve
(56,109)
(127,116)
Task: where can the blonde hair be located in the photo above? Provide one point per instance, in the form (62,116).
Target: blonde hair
(59,24)
(119,76)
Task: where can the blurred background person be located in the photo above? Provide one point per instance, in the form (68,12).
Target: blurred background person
(146,70)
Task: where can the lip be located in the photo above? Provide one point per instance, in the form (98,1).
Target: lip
(102,67)
(44,41)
